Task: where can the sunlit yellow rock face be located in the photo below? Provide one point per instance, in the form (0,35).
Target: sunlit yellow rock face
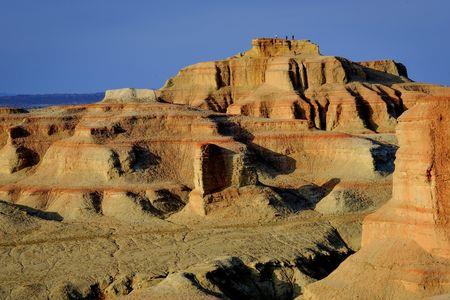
(290,79)
(406,242)
(244,178)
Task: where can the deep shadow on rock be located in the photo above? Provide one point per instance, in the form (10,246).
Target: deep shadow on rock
(45,215)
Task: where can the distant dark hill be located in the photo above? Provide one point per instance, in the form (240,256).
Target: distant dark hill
(30,101)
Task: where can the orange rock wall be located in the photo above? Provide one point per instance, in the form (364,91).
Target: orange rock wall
(420,206)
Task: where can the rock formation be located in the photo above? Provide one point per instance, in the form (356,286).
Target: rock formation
(110,174)
(129,95)
(406,243)
(247,177)
(287,79)
(127,148)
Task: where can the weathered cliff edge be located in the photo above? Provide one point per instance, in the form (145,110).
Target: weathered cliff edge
(406,244)
(289,79)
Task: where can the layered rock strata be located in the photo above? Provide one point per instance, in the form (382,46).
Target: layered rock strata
(289,79)
(149,195)
(131,150)
(406,243)
(105,178)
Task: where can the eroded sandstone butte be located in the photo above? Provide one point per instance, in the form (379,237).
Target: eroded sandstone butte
(242,178)
(290,79)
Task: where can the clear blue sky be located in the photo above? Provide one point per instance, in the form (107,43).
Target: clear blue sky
(50,46)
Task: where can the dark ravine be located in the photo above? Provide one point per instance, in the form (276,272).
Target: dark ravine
(226,278)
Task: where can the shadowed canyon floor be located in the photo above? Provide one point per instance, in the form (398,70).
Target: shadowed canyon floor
(245,178)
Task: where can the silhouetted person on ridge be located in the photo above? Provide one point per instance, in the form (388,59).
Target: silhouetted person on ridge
(292,36)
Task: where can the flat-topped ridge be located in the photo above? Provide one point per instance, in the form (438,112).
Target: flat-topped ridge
(280,47)
(129,95)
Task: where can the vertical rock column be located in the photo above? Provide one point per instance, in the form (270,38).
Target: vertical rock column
(420,207)
(217,168)
(13,156)
(405,245)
